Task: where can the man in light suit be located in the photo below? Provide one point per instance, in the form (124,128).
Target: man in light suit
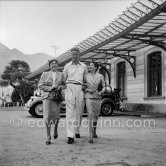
(74,73)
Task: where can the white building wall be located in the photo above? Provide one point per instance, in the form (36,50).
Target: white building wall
(136,88)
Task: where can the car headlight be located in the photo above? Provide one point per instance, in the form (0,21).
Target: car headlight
(28,104)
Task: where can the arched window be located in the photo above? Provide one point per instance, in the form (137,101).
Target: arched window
(154,83)
(121,78)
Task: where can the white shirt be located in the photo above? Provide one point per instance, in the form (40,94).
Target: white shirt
(54,77)
(75,73)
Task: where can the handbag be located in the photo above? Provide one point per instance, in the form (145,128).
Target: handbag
(55,95)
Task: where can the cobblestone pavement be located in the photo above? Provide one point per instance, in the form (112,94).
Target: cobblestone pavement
(122,141)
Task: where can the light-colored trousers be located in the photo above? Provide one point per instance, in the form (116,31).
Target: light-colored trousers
(74,98)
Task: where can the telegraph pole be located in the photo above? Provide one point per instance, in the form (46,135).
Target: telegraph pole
(55,47)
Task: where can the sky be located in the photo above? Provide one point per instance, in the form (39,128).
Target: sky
(37,26)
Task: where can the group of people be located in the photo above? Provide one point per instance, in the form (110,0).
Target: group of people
(81,86)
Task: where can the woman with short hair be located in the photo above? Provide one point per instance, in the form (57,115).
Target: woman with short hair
(50,81)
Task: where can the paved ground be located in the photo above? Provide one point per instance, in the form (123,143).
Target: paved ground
(123,141)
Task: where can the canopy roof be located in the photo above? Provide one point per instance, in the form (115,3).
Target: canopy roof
(142,24)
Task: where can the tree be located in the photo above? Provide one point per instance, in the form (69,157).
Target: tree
(14,75)
(26,89)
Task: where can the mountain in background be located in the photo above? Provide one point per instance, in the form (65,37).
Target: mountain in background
(34,60)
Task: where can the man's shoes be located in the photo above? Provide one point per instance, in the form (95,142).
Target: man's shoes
(48,142)
(70,140)
(77,135)
(55,136)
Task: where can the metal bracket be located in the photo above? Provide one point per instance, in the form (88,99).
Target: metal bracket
(130,59)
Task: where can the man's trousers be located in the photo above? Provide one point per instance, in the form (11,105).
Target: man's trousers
(74,98)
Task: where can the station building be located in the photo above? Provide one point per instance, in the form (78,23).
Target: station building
(133,48)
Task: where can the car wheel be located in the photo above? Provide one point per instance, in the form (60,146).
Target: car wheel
(31,112)
(37,110)
(107,109)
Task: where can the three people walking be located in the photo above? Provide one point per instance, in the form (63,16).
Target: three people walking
(75,75)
